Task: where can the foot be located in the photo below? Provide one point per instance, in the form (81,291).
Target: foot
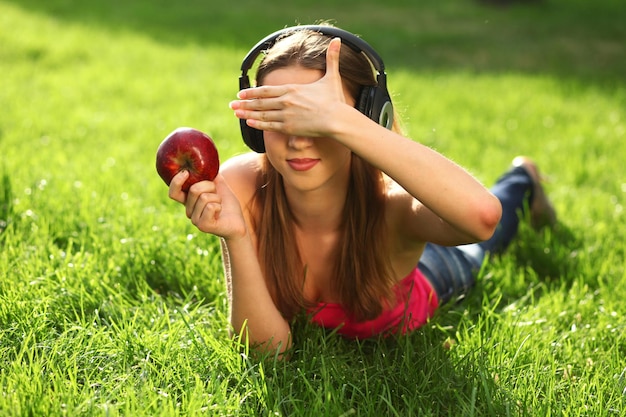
(541,210)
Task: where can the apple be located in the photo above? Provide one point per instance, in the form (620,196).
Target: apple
(187,149)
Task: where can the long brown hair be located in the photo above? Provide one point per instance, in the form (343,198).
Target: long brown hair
(363,274)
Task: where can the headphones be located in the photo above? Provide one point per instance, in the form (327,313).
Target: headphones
(374,101)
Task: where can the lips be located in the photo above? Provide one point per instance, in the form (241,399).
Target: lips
(302,164)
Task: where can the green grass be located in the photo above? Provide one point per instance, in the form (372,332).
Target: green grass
(111,303)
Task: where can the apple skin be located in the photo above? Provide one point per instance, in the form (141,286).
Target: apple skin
(187,149)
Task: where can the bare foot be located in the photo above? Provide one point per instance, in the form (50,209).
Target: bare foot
(541,210)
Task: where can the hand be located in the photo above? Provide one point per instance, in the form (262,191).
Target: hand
(295,109)
(210,205)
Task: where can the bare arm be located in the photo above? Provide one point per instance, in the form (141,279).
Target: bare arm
(252,310)
(214,207)
(461,208)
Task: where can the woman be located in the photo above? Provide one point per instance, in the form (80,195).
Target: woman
(341,217)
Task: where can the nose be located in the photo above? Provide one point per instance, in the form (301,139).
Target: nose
(299,142)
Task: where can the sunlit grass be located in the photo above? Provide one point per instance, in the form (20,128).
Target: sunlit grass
(111,303)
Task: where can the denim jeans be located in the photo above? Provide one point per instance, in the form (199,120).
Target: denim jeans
(452,269)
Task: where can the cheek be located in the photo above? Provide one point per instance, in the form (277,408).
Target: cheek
(335,151)
(274,142)
(345,157)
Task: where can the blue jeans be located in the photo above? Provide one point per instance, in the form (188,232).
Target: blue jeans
(451,270)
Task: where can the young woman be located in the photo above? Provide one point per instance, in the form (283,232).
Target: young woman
(336,215)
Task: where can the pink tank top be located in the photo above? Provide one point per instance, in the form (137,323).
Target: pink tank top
(416,303)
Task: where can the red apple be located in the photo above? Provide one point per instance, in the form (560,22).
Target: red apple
(187,149)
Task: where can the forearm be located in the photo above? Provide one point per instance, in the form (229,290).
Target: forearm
(252,310)
(440,184)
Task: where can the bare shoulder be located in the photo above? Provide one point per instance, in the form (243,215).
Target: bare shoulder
(406,216)
(398,198)
(412,223)
(242,164)
(242,170)
(242,173)
(399,203)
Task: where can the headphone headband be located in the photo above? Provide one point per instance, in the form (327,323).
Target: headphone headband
(374,102)
(353,41)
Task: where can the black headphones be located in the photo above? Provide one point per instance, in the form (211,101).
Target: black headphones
(374,101)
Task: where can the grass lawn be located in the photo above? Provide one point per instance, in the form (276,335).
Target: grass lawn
(112,303)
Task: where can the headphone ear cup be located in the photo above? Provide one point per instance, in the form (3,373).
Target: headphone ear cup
(252,137)
(364,103)
(382,108)
(375,103)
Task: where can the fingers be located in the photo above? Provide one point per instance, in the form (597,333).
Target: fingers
(260,115)
(201,196)
(261,107)
(332,57)
(265,114)
(332,77)
(205,213)
(265,91)
(176,192)
(258,105)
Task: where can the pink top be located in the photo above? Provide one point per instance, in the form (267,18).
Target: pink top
(416,303)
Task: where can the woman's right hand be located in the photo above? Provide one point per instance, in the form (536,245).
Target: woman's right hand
(210,205)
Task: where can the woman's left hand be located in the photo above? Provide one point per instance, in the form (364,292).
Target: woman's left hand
(295,109)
